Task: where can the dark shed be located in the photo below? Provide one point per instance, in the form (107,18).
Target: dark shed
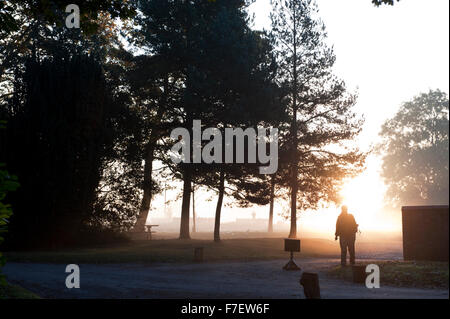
(425,232)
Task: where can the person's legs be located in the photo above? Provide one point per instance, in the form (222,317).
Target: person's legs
(343,244)
(351,250)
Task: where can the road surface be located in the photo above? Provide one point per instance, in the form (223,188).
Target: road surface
(257,279)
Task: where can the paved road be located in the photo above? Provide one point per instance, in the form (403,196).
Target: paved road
(263,279)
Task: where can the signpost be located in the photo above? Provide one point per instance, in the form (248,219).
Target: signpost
(291,245)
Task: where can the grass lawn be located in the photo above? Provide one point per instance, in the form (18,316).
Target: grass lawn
(420,274)
(174,250)
(16,292)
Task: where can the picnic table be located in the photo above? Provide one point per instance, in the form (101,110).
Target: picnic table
(149,231)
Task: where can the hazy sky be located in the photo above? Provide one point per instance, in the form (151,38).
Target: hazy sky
(389,54)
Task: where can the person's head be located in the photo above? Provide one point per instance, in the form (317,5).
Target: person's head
(344,209)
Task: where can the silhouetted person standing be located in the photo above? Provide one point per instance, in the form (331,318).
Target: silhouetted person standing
(346,228)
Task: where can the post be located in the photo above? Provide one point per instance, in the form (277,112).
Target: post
(310,283)
(359,274)
(198,254)
(291,245)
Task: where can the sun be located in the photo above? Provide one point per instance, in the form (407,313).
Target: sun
(364,197)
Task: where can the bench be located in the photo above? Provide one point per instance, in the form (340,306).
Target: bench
(149,231)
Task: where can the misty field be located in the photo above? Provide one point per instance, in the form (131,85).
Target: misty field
(244,246)
(175,250)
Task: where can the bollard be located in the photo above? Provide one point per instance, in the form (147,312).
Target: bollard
(359,274)
(291,245)
(198,254)
(310,283)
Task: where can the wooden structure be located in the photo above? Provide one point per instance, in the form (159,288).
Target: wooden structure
(425,232)
(359,274)
(310,283)
(149,231)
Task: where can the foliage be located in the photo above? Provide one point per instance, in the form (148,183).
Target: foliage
(8,183)
(84,127)
(415,150)
(89,118)
(57,137)
(190,40)
(117,195)
(381,2)
(53,12)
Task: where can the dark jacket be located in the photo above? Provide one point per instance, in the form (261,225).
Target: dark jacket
(346,225)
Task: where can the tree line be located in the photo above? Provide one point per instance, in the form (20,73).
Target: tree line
(89,111)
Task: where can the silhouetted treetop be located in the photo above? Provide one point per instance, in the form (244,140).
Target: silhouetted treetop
(415,149)
(53,12)
(381,2)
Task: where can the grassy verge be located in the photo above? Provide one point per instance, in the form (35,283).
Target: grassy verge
(419,274)
(174,250)
(9,291)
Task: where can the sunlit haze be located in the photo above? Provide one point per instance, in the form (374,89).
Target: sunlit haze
(387,55)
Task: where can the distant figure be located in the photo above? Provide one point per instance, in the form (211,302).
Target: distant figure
(346,228)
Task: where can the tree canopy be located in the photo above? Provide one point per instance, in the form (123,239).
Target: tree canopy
(90,111)
(415,151)
(319,108)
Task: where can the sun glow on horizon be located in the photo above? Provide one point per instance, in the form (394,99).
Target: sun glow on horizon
(364,197)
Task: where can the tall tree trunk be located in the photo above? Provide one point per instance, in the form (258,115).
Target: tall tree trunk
(293,230)
(272,197)
(184,222)
(148,165)
(187,185)
(219,206)
(294,163)
(294,190)
(294,175)
(147,197)
(194,229)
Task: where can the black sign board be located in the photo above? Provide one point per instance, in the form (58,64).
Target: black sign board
(292,244)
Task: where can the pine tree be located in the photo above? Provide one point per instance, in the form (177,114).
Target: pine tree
(319,108)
